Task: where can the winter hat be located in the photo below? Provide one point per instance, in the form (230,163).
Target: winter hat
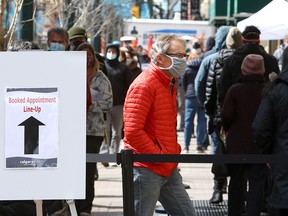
(251,34)
(76,31)
(253,64)
(234,38)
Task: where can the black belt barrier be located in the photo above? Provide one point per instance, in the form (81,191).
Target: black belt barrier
(126,159)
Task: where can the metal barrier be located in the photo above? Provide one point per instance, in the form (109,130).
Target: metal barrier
(126,159)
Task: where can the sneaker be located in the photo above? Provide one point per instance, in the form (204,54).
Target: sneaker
(199,149)
(186,149)
(114,165)
(105,164)
(187,186)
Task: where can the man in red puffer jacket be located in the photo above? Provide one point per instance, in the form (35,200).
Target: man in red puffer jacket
(150,113)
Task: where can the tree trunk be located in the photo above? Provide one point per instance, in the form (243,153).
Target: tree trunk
(2,9)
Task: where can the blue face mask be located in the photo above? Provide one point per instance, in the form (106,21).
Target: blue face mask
(57,47)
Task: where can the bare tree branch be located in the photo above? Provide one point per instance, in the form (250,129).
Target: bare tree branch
(100,18)
(10,32)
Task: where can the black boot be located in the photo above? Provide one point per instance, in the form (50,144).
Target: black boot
(216,197)
(217,193)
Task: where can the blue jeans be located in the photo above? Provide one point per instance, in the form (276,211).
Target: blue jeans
(192,107)
(150,187)
(214,142)
(181,106)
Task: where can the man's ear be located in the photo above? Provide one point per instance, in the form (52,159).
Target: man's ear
(159,58)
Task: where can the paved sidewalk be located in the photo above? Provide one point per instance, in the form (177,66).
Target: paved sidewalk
(108,189)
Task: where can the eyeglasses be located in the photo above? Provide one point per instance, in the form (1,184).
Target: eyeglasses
(178,55)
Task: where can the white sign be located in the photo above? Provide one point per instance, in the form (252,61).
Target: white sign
(31,127)
(66,72)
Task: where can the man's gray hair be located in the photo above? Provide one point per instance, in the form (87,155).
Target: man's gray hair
(162,44)
(59,31)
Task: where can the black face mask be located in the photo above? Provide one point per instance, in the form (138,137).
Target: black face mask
(74,45)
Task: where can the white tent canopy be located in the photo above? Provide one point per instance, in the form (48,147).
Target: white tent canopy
(272,20)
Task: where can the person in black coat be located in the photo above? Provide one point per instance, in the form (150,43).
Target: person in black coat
(271,135)
(231,72)
(239,109)
(212,107)
(120,78)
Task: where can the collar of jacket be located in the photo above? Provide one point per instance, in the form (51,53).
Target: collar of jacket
(162,76)
(253,78)
(112,62)
(250,48)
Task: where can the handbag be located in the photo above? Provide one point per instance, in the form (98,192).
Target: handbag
(220,169)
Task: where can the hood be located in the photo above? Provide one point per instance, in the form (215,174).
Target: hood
(283,77)
(220,38)
(194,63)
(116,47)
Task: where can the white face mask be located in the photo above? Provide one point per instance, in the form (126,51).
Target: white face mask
(177,67)
(128,61)
(111,56)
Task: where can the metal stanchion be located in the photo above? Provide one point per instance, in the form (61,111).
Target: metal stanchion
(127,181)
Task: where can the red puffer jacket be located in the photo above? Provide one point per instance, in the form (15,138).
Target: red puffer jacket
(150,113)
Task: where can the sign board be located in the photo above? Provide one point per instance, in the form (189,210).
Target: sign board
(43,132)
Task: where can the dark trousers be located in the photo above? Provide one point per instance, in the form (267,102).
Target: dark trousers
(93,144)
(256,175)
(28,207)
(283,212)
